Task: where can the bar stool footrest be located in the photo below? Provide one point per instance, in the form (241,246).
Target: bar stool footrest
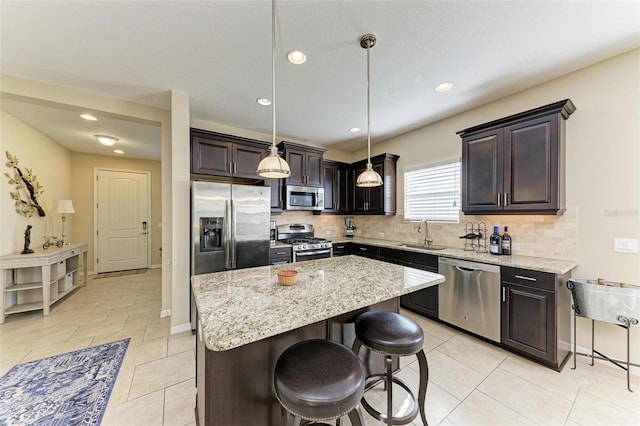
(399,420)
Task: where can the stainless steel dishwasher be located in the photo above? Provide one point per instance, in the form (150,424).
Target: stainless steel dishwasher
(470,297)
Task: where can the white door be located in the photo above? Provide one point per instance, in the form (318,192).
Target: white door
(122,215)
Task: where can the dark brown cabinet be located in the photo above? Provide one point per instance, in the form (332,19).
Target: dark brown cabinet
(341,249)
(216,154)
(424,302)
(379,200)
(515,164)
(365,250)
(279,255)
(336,187)
(305,163)
(536,315)
(277,200)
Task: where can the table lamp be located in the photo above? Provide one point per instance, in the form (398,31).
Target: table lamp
(64,207)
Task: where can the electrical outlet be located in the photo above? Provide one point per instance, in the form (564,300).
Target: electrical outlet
(625,245)
(381,234)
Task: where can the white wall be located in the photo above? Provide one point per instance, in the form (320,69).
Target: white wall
(37,152)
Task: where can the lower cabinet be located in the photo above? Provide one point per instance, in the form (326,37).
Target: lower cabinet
(424,302)
(341,249)
(280,255)
(536,319)
(365,250)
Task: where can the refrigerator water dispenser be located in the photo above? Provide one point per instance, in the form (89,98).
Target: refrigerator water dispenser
(211,229)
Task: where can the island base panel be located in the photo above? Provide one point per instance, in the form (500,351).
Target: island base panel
(239,382)
(235,387)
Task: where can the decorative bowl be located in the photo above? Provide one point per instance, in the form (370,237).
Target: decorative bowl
(288,277)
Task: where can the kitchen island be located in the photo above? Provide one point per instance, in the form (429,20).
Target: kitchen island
(246,320)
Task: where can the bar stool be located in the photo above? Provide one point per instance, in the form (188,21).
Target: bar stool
(392,334)
(320,380)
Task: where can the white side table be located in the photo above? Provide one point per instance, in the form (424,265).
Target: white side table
(29,282)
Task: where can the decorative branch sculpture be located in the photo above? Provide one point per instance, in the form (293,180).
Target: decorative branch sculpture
(27,186)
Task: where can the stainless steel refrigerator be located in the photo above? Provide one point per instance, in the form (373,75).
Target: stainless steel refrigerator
(229,227)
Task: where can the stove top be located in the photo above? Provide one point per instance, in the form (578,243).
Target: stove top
(301,237)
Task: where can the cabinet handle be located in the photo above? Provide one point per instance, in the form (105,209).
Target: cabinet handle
(235,168)
(506,199)
(281,252)
(503,294)
(363,248)
(499,194)
(230,167)
(526,278)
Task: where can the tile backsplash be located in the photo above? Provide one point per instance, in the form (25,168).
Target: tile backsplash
(533,235)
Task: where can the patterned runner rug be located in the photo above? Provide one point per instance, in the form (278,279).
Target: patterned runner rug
(67,389)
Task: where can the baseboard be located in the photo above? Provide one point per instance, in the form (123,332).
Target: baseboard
(181,328)
(156,266)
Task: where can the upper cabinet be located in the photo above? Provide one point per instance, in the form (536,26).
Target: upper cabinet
(336,187)
(515,165)
(217,154)
(305,163)
(379,200)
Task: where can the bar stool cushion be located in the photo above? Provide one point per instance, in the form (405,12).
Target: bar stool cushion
(319,379)
(389,333)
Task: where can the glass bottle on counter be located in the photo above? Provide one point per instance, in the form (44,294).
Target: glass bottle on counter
(506,242)
(495,241)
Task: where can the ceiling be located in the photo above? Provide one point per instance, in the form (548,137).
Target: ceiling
(219,52)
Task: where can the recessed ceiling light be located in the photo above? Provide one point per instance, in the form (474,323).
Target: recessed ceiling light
(354,129)
(296,57)
(118,151)
(88,117)
(106,140)
(443,87)
(263,101)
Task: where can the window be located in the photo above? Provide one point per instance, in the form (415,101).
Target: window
(433,192)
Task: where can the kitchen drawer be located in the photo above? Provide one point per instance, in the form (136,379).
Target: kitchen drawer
(279,255)
(528,278)
(365,250)
(341,249)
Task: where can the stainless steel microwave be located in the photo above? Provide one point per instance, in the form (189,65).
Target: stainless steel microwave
(304,198)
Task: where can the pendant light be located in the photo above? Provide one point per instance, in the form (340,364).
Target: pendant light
(369,178)
(273,166)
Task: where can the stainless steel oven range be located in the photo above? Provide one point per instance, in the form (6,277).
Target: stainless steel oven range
(304,245)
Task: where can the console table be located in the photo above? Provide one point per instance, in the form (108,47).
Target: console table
(30,282)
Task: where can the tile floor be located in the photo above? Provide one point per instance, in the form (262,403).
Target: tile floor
(471,382)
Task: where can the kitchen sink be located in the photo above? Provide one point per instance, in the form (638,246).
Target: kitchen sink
(421,246)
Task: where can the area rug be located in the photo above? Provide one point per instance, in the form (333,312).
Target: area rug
(68,389)
(119,273)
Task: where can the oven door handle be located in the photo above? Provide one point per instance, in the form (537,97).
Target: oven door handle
(311,253)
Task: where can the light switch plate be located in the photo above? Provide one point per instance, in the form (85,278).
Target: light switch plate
(625,245)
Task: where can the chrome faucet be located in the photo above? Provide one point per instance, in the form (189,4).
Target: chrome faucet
(427,239)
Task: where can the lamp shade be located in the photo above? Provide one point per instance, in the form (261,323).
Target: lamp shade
(369,178)
(273,166)
(65,206)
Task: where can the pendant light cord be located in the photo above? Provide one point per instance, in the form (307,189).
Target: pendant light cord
(273,70)
(368,107)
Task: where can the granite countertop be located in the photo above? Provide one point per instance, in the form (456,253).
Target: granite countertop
(541,264)
(246,305)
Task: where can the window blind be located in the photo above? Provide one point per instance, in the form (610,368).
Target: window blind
(433,192)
